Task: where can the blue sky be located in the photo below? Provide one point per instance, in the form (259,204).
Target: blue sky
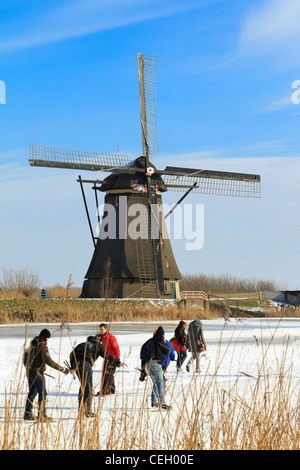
(224,101)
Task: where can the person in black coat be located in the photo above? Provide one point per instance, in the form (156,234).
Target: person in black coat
(195,343)
(82,359)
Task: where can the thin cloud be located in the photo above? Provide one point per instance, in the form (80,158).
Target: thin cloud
(277,105)
(274,24)
(75,19)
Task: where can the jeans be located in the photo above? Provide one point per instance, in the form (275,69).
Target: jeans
(181,357)
(37,386)
(195,355)
(156,374)
(85,394)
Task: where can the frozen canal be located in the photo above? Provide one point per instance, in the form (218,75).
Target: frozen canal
(232,347)
(242,342)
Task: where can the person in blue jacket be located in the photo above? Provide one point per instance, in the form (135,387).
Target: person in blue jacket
(154,366)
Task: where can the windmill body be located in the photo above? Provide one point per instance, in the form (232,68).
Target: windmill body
(123,262)
(132,255)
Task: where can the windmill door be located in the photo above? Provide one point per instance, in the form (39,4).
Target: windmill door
(172,290)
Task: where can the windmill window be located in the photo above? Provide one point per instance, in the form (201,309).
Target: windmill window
(167,262)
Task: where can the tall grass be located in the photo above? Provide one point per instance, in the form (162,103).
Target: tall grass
(76,310)
(20,310)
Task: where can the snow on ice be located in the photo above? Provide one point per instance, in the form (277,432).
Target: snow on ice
(235,352)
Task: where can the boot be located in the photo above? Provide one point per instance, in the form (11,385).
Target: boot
(42,413)
(165,407)
(29,417)
(88,406)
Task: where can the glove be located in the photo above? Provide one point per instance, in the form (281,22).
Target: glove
(65,371)
(143,375)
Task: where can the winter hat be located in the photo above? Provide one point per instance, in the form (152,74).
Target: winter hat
(92,339)
(159,331)
(45,333)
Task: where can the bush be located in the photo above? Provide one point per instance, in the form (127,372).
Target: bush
(223,283)
(20,280)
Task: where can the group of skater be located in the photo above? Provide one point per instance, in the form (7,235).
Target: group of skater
(156,354)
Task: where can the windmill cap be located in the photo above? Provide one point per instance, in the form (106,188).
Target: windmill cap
(123,180)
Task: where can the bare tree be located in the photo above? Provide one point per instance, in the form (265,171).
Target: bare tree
(21,280)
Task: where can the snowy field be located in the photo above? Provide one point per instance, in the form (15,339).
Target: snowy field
(238,352)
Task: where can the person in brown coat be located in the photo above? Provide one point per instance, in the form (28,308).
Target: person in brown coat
(36,358)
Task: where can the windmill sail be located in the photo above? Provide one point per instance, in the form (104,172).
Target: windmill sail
(56,157)
(220,183)
(147,66)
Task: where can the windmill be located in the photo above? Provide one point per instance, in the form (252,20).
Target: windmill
(142,265)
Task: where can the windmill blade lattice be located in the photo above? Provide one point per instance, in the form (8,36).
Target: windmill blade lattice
(148,78)
(213,182)
(56,157)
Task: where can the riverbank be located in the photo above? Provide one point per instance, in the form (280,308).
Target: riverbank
(60,310)
(88,310)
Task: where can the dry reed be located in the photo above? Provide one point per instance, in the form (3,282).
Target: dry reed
(90,310)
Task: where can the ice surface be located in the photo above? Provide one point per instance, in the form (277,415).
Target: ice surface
(237,352)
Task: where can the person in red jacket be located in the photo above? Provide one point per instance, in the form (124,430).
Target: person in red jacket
(108,371)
